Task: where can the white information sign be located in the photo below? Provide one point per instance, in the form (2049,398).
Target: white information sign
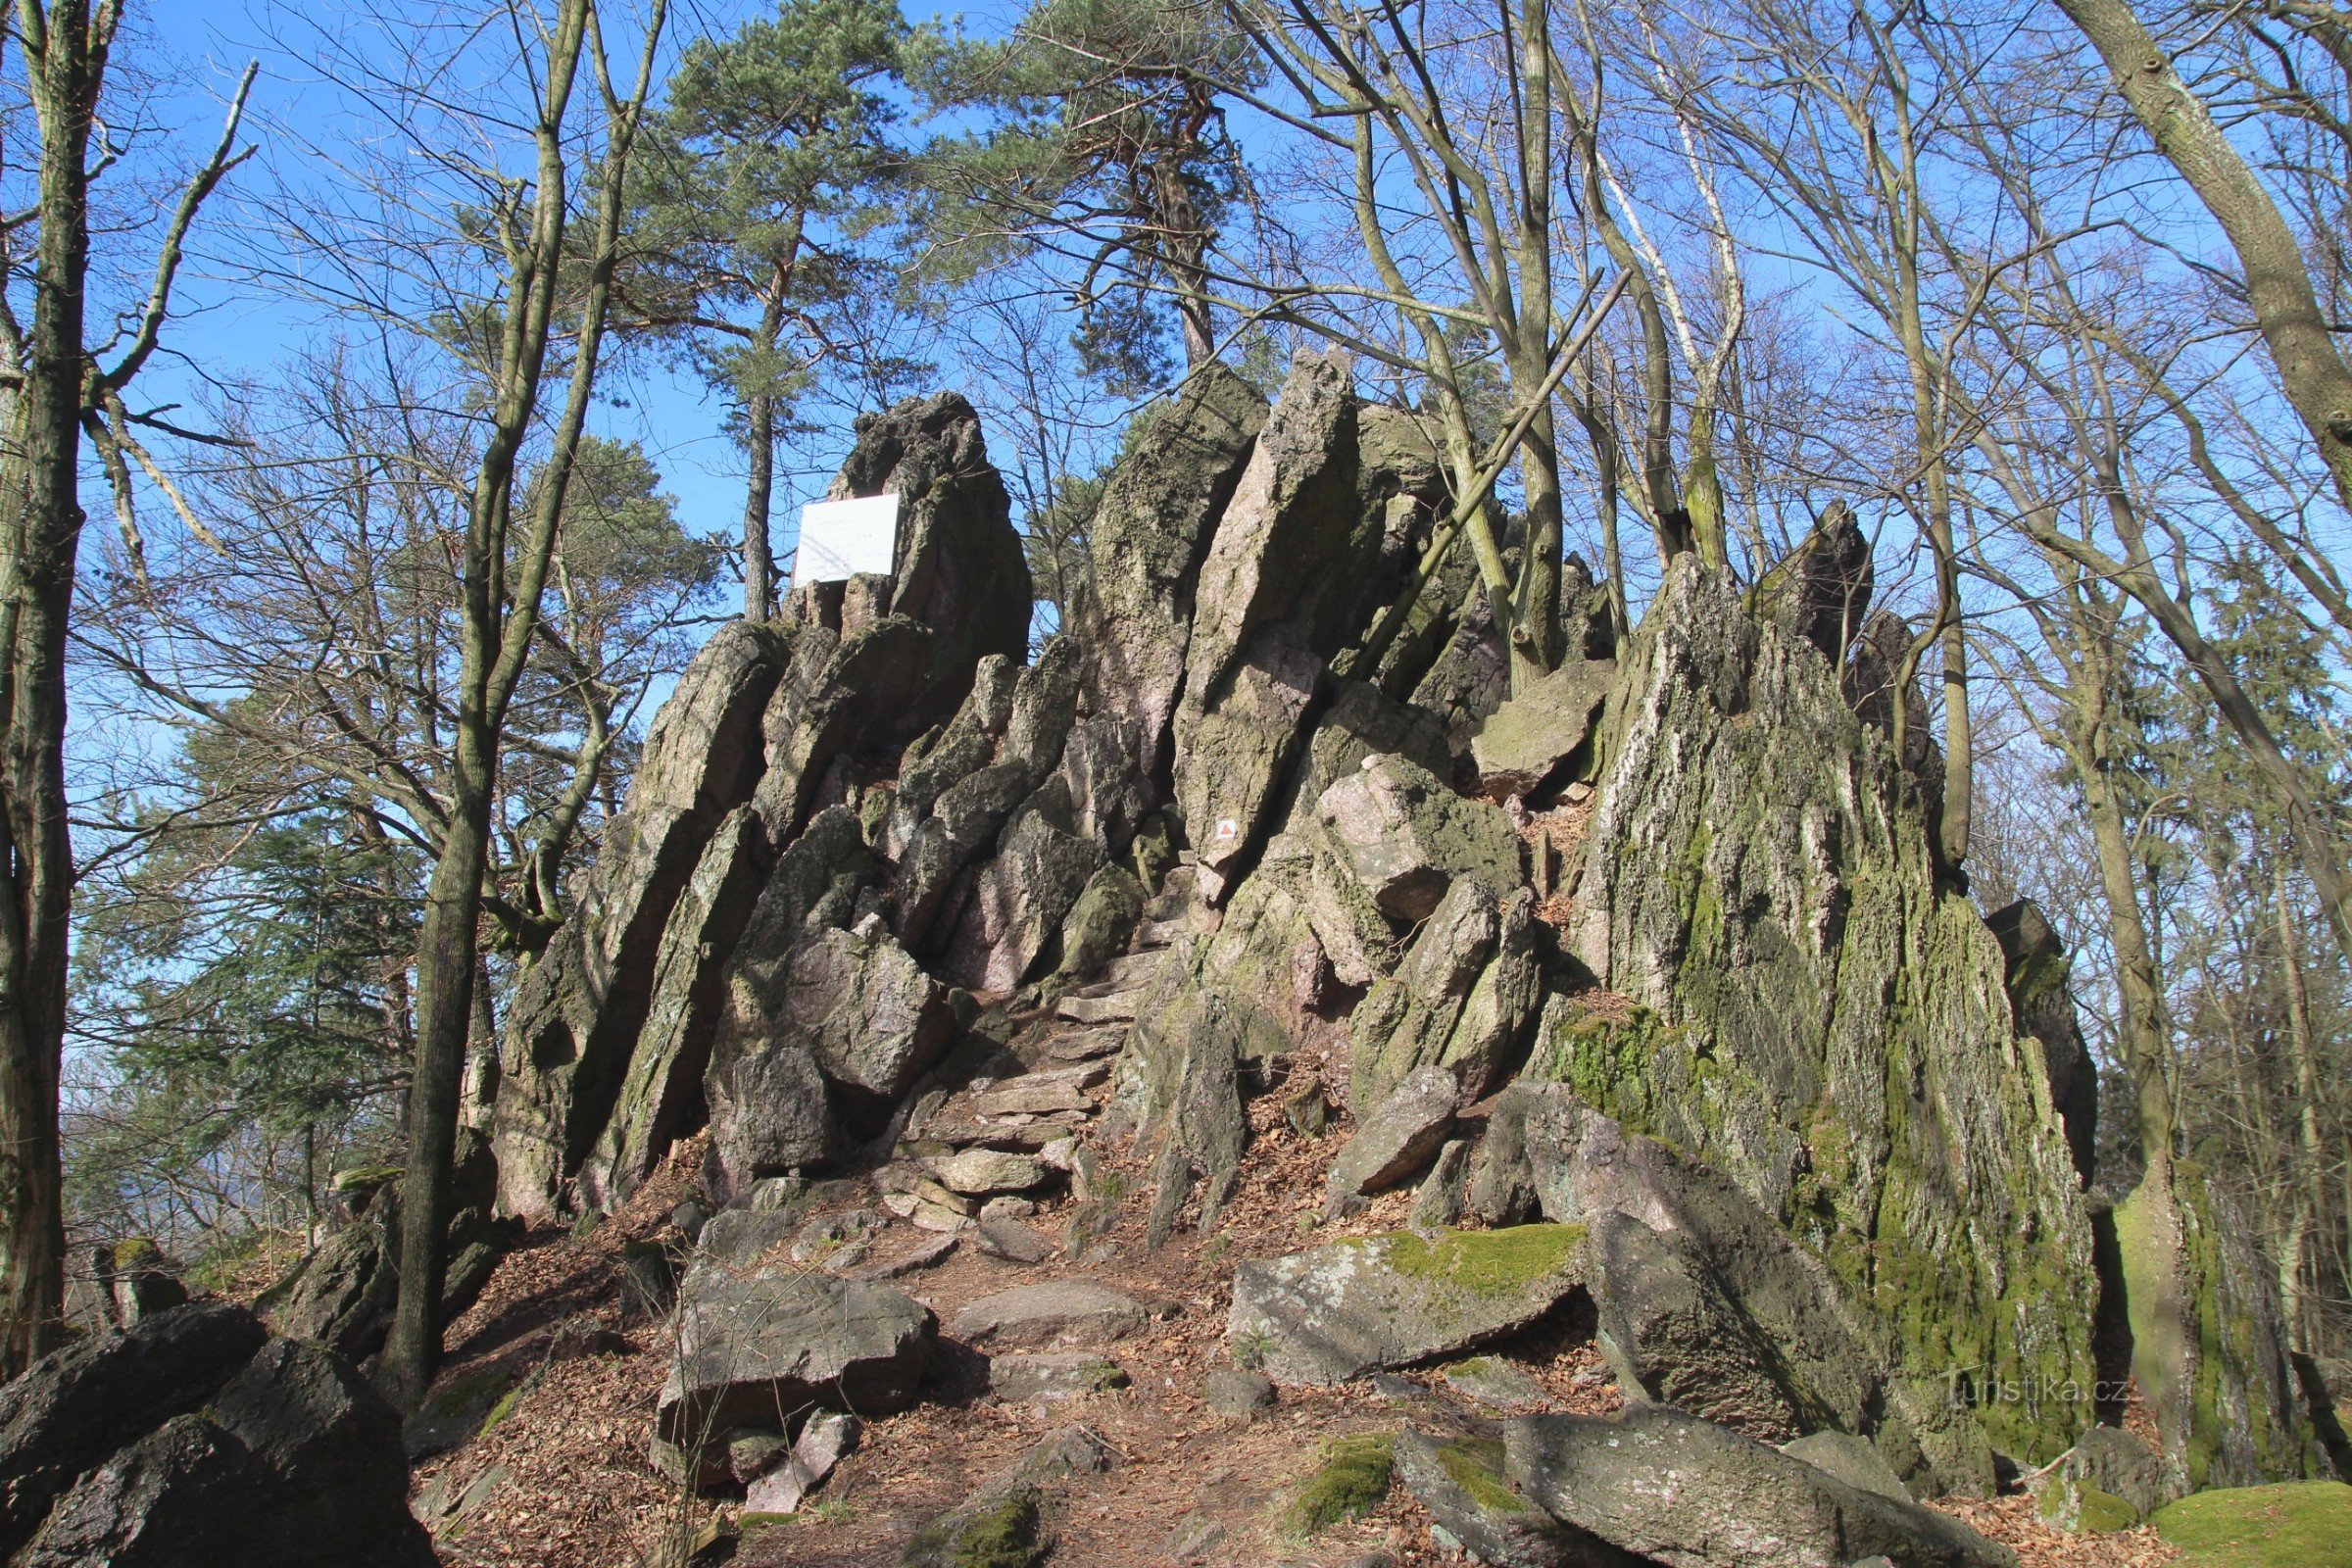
(840,539)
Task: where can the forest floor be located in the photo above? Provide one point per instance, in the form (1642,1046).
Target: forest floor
(560,1478)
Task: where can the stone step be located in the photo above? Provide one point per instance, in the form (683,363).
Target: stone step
(1086,1045)
(1062,1089)
(1122,973)
(1157,936)
(1117,1008)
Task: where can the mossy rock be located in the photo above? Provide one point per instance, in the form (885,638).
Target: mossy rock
(1476,1466)
(997,1530)
(2297,1524)
(1347,1483)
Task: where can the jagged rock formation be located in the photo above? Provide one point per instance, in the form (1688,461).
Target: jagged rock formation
(888,903)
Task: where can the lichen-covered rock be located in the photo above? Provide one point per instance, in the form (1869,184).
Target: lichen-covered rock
(573,1021)
(1149,531)
(871,1016)
(1462,1481)
(1098,927)
(1408,838)
(1732,1502)
(1827,1023)
(1371,1303)
(1701,1299)
(1820,591)
(1528,745)
(1462,998)
(841,695)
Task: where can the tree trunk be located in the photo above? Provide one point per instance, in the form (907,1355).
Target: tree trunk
(2312,1195)
(2287,308)
(759,564)
(41,533)
(2140,1030)
(446,955)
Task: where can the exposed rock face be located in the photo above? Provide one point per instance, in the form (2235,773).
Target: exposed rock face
(1828,1025)
(192,1439)
(961,571)
(1264,617)
(1734,1501)
(572,1027)
(1462,998)
(1376,1302)
(2037,976)
(1149,531)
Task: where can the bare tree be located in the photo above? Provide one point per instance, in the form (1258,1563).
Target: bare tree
(59,386)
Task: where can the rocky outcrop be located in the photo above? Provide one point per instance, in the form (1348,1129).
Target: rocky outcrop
(1744,1078)
(1266,617)
(571,1029)
(961,571)
(1827,1022)
(1159,510)
(193,1439)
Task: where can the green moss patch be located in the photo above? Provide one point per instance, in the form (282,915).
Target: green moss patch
(999,1532)
(2299,1523)
(2104,1511)
(1474,1465)
(1487,1262)
(1349,1484)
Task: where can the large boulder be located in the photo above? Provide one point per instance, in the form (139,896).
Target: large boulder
(79,1404)
(1371,1303)
(193,1441)
(1823,1018)
(572,1026)
(1528,745)
(758,1344)
(1408,838)
(1673,1489)
(1150,528)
